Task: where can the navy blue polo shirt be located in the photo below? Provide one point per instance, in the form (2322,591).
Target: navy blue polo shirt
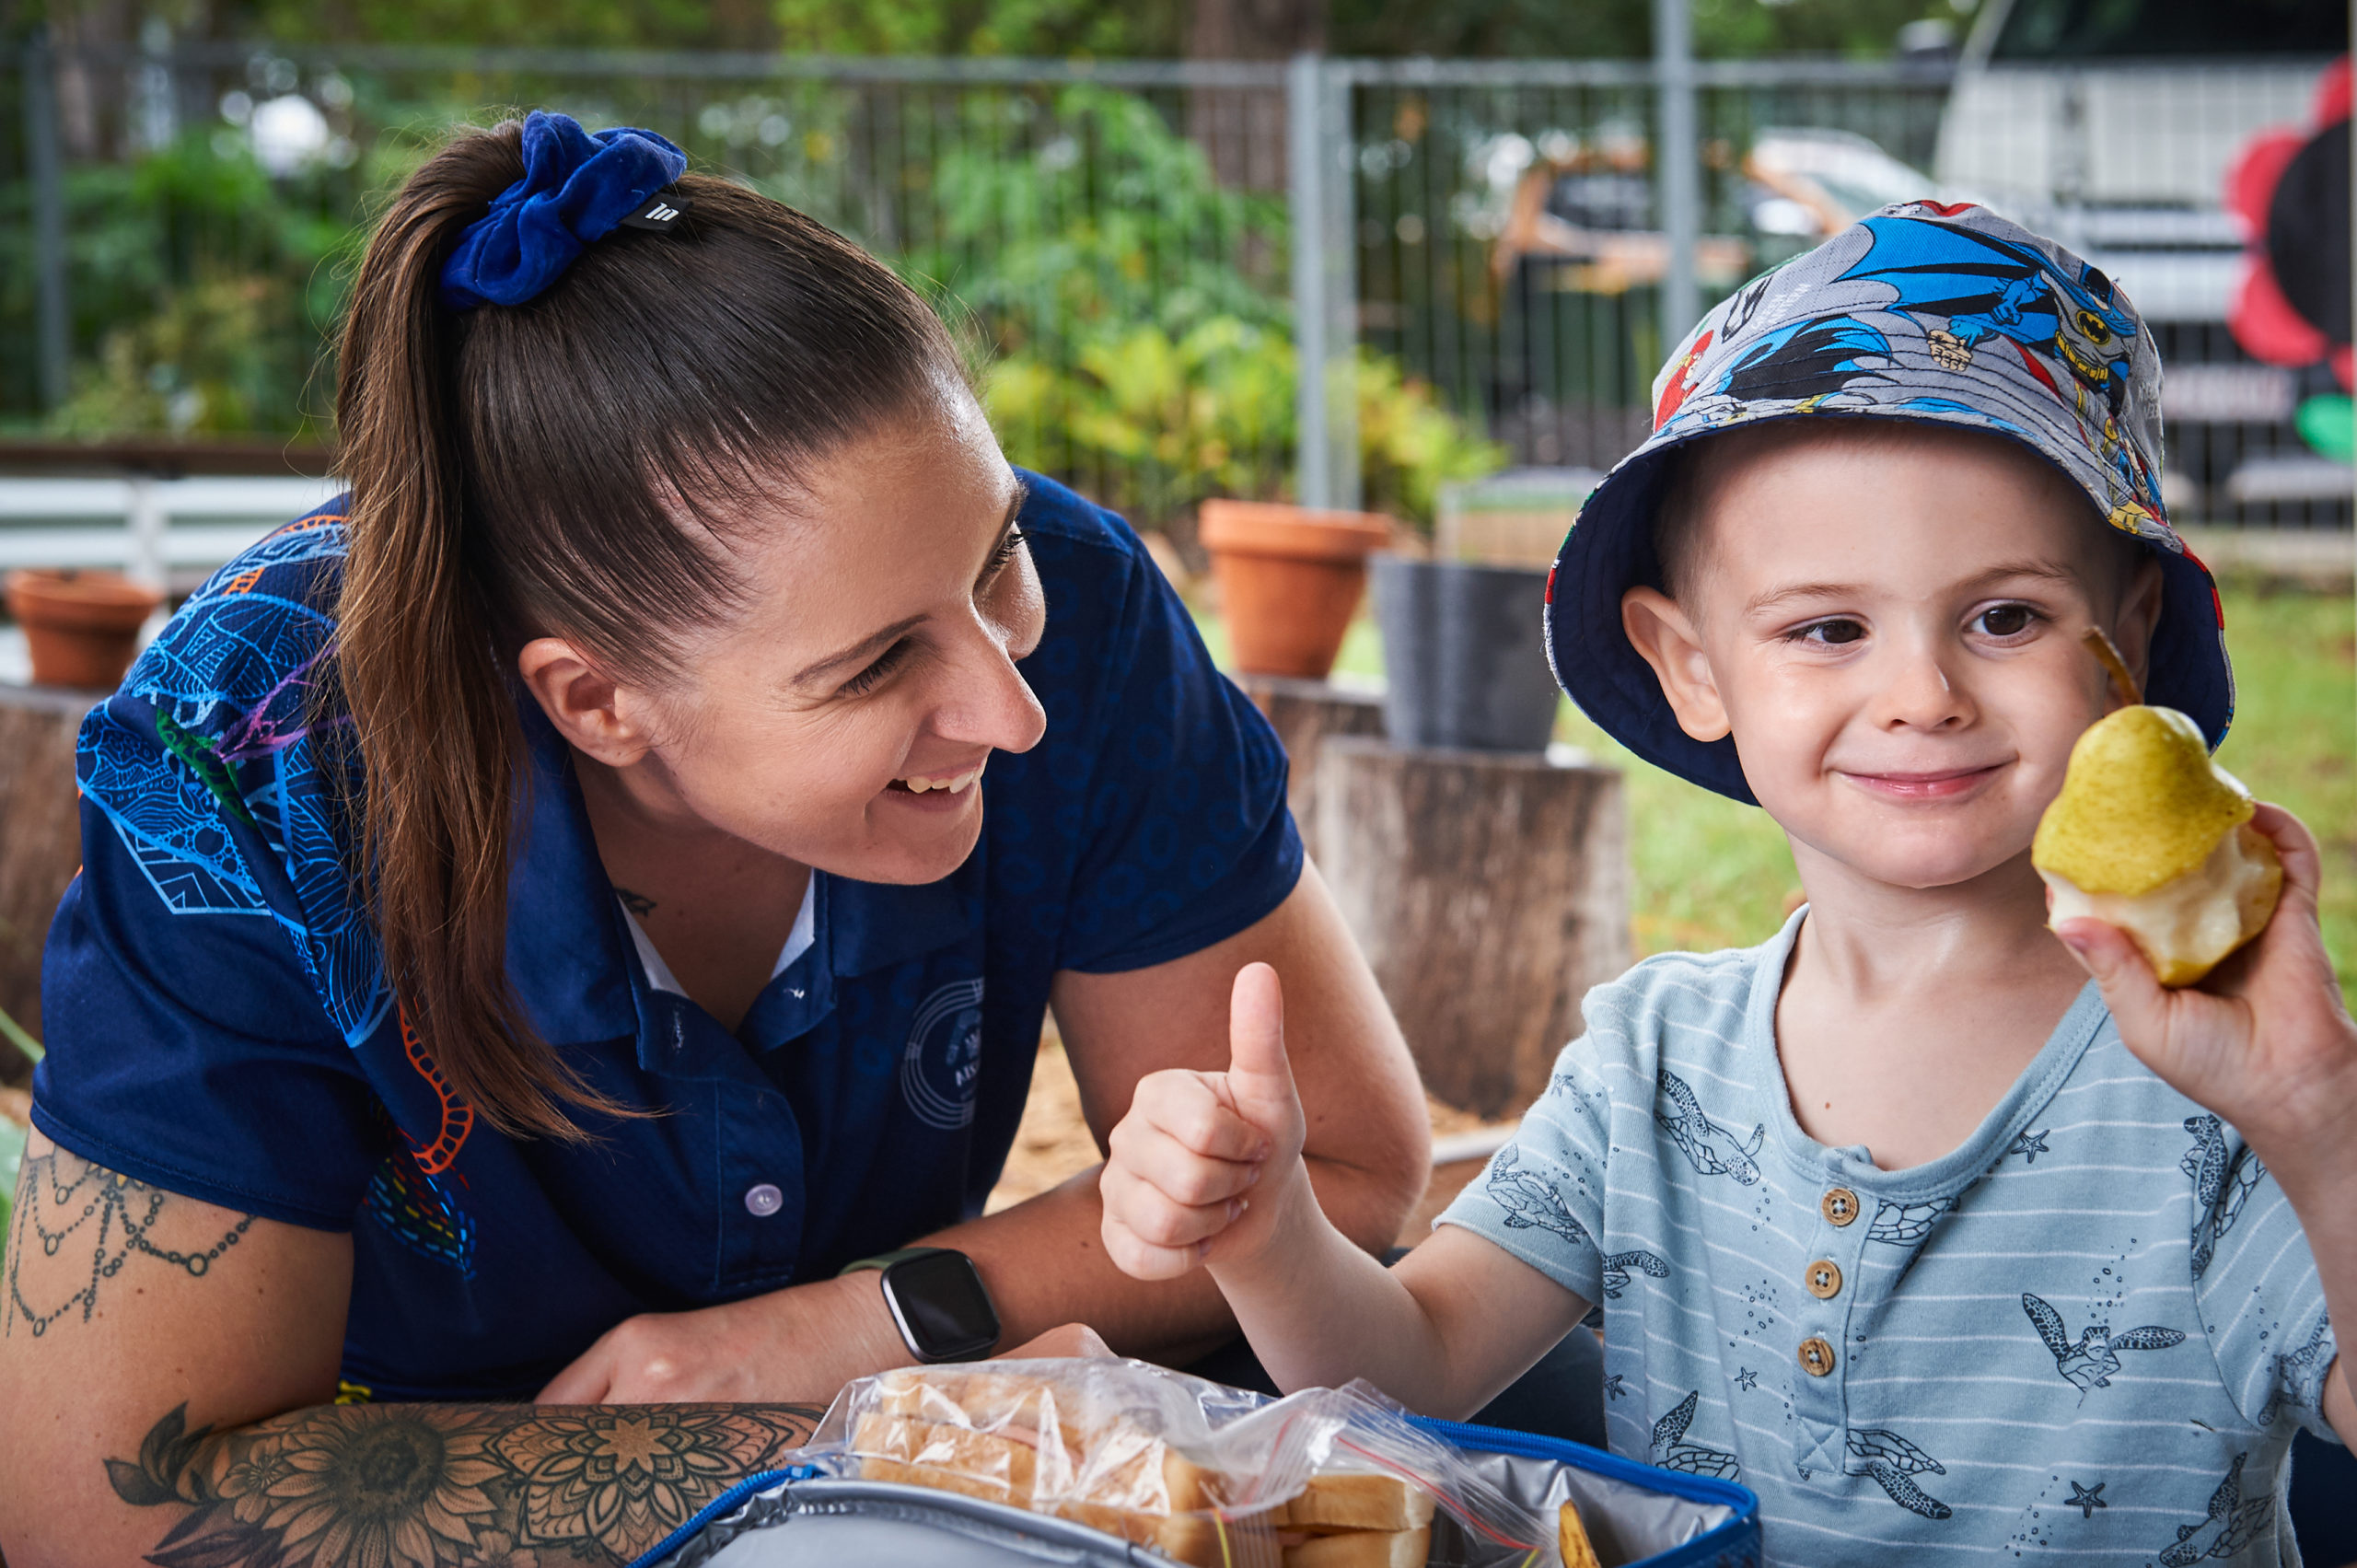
(219,1023)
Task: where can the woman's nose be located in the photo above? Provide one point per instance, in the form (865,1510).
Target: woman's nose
(991,702)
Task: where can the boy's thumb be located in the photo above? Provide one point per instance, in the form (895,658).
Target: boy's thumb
(2112,956)
(1258,1073)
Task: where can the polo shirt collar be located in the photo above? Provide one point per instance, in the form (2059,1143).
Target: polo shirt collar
(573,964)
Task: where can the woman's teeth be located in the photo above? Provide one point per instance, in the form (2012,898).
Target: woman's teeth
(915,786)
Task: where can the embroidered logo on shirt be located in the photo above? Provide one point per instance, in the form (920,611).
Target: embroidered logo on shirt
(944,1058)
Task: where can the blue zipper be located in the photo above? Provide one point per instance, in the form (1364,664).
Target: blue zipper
(1738,1534)
(735,1495)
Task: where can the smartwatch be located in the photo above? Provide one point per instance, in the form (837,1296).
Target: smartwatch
(938,1302)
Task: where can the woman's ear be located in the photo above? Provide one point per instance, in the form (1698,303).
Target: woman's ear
(1665,639)
(593,713)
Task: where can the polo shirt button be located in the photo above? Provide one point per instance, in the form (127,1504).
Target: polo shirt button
(1824,1279)
(1839,1205)
(1816,1357)
(764,1199)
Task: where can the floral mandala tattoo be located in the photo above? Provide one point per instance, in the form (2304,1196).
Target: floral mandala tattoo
(64,1198)
(435,1486)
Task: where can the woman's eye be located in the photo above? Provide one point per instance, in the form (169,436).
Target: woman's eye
(2006,620)
(1007,552)
(1834,632)
(873,675)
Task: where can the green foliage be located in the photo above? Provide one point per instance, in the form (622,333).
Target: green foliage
(1136,336)
(208,287)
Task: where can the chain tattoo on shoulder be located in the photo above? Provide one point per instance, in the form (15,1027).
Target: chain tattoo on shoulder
(447,1486)
(69,1208)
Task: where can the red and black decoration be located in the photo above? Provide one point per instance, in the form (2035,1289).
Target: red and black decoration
(2290,192)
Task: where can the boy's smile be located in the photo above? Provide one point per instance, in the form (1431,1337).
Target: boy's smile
(1887,622)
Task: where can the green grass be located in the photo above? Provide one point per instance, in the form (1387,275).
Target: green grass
(1709,873)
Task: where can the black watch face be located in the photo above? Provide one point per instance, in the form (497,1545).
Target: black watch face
(942,1305)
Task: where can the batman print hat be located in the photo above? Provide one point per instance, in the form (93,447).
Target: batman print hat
(1947,314)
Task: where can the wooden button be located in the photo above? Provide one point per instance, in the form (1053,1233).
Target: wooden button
(1824,1279)
(1816,1357)
(1839,1205)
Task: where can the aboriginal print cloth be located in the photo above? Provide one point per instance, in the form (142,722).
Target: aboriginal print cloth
(2090,1333)
(219,1023)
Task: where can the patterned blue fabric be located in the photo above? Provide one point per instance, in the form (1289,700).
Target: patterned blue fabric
(219,1023)
(576,187)
(1948,315)
(2093,1330)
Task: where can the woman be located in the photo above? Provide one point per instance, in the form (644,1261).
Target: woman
(547,917)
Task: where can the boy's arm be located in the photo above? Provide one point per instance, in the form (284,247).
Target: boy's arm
(1206,1169)
(2265,1043)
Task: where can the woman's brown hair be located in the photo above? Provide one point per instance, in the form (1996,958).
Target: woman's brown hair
(562,467)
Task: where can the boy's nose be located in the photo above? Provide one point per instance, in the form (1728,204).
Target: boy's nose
(1920,695)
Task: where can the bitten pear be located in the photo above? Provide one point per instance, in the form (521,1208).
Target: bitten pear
(2151,836)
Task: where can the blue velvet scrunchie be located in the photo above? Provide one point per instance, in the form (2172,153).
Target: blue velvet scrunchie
(576,187)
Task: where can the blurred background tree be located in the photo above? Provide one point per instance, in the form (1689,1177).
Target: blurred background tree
(1221,29)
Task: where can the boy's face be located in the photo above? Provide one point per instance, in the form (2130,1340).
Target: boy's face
(1890,629)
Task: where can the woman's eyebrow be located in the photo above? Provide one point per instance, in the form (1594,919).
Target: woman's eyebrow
(878,640)
(874,643)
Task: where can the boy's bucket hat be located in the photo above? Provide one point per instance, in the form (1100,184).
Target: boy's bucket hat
(1947,314)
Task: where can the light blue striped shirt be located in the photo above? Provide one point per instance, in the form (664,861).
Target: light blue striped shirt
(2090,1332)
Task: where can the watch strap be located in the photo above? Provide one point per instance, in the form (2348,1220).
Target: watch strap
(882,1260)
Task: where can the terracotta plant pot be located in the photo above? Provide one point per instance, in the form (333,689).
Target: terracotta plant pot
(82,628)
(1290,579)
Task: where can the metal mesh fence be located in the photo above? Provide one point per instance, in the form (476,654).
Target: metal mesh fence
(1482,284)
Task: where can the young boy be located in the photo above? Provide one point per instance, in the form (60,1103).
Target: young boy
(1895,1217)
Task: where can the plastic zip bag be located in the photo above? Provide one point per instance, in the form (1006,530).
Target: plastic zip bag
(1201,1473)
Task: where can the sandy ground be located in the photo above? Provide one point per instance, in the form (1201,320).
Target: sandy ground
(1053,1144)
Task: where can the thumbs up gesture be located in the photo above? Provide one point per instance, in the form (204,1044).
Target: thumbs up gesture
(1197,1166)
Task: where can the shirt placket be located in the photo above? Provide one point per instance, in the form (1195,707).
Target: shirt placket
(1832,1274)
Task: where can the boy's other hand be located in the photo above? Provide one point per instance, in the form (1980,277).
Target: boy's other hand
(2265,1040)
(1196,1166)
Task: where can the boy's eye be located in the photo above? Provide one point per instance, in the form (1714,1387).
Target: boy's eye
(2006,620)
(1835,632)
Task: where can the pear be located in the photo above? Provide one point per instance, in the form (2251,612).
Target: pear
(2151,836)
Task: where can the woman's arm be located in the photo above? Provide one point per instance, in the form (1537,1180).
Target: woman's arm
(1368,1154)
(166,1367)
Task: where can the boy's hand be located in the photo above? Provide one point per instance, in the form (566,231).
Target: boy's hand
(2266,1040)
(1202,1158)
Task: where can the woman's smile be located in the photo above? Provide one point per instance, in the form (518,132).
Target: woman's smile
(940,791)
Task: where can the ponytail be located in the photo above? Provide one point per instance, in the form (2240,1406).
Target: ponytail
(524,470)
(432,710)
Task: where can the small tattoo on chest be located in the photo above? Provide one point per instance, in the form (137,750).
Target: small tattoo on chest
(637,903)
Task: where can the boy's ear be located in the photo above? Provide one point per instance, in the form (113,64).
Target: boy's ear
(2140,612)
(1665,638)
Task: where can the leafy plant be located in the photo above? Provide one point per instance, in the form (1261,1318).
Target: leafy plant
(1136,337)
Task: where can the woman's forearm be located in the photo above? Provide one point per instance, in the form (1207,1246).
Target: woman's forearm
(446,1485)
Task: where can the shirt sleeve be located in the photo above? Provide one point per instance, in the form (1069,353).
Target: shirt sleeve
(1542,1197)
(187,1047)
(2262,1301)
(1186,839)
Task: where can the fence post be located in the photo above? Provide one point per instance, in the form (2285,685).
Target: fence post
(1321,210)
(55,344)
(1677,167)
